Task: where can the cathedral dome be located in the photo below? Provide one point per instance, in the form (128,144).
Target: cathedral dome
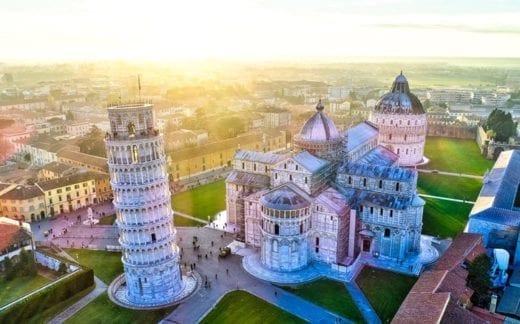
(319,128)
(284,198)
(400,100)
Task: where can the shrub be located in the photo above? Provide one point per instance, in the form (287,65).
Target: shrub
(22,311)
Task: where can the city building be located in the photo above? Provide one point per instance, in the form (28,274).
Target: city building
(78,129)
(188,162)
(496,213)
(335,196)
(142,200)
(185,137)
(23,104)
(16,236)
(401,120)
(275,117)
(84,160)
(440,295)
(56,170)
(23,202)
(339,106)
(64,195)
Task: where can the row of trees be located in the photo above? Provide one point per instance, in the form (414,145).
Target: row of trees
(24,267)
(500,126)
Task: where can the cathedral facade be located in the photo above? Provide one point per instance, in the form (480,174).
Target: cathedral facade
(336,195)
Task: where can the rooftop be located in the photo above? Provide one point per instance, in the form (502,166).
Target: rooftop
(11,234)
(259,157)
(379,155)
(400,100)
(87,159)
(22,193)
(379,171)
(286,197)
(310,162)
(360,134)
(319,128)
(66,181)
(248,179)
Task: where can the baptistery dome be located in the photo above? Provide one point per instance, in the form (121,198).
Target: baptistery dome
(400,100)
(284,199)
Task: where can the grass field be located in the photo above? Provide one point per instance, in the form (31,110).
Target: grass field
(455,155)
(200,202)
(107,220)
(106,265)
(385,290)
(242,307)
(444,218)
(449,186)
(102,310)
(16,288)
(333,296)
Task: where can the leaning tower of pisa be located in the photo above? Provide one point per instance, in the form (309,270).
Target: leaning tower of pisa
(139,180)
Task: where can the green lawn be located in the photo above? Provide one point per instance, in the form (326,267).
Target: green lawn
(107,220)
(455,155)
(444,218)
(106,265)
(385,290)
(201,201)
(242,307)
(20,286)
(102,310)
(449,186)
(332,295)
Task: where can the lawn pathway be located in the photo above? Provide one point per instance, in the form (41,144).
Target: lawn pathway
(100,288)
(190,217)
(368,312)
(450,174)
(448,199)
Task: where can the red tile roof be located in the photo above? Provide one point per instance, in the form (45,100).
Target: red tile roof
(10,234)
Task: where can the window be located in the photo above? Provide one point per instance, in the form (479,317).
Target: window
(76,186)
(243,165)
(254,167)
(391,213)
(405,137)
(380,184)
(305,180)
(153,237)
(390,136)
(349,180)
(296,166)
(276,229)
(381,212)
(387,232)
(58,191)
(276,175)
(290,177)
(285,165)
(397,186)
(361,208)
(364,182)
(371,210)
(67,188)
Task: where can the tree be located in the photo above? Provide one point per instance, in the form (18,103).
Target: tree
(62,268)
(26,265)
(93,143)
(502,124)
(9,269)
(479,279)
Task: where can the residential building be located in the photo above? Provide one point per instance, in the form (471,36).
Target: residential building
(88,161)
(15,237)
(23,202)
(78,129)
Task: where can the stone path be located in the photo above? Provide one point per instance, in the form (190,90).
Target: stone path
(100,288)
(448,199)
(454,174)
(369,314)
(178,213)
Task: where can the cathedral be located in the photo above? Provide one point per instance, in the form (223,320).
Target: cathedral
(336,194)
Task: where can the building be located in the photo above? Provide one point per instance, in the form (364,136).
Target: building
(78,129)
(64,195)
(188,162)
(326,201)
(275,117)
(184,138)
(401,120)
(441,295)
(56,170)
(142,200)
(24,203)
(23,104)
(76,158)
(496,213)
(339,106)
(16,236)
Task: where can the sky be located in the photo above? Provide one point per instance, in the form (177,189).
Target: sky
(245,30)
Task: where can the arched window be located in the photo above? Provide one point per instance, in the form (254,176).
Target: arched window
(390,136)
(387,232)
(290,177)
(276,229)
(301,228)
(349,180)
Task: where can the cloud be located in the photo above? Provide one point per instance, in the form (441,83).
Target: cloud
(507,29)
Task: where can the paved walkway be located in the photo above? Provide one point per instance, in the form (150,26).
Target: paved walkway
(448,199)
(100,288)
(369,314)
(178,213)
(454,174)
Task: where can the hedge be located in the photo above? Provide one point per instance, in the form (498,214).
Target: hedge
(37,303)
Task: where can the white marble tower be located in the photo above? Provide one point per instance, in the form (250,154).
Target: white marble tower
(139,180)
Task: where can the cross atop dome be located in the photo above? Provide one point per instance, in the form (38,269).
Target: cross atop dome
(319,106)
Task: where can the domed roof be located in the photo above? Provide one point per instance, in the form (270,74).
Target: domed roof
(319,128)
(400,100)
(284,198)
